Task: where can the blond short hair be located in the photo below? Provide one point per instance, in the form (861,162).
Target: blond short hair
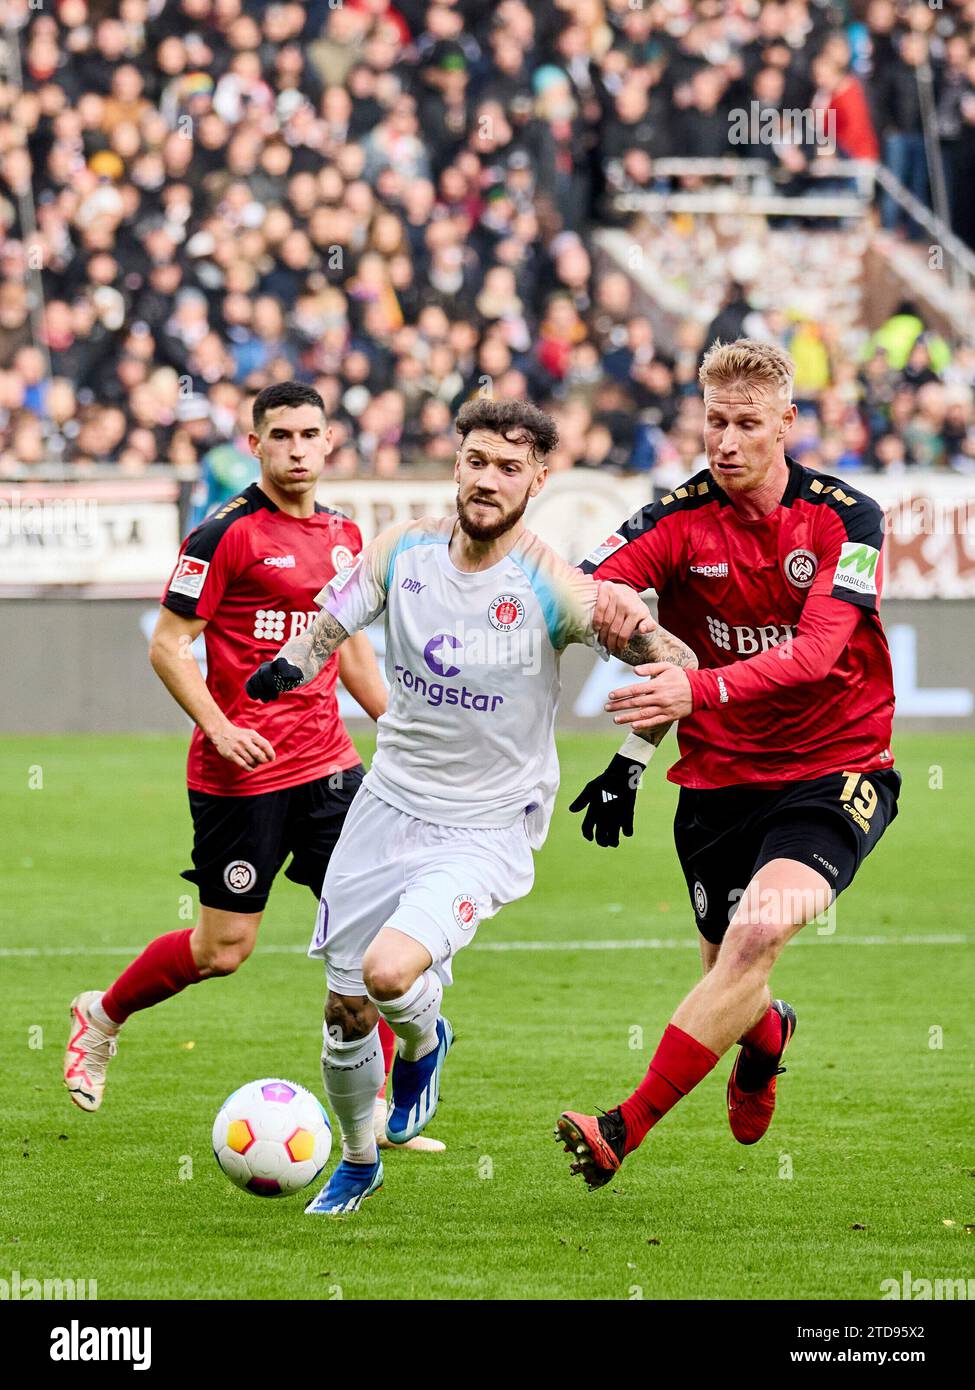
(747,359)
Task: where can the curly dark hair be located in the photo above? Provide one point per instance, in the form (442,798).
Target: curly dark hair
(284,393)
(519,422)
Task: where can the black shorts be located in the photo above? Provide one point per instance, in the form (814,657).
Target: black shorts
(725,835)
(240,842)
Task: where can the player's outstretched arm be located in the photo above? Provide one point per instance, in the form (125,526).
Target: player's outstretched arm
(609,800)
(299,660)
(660,646)
(619,614)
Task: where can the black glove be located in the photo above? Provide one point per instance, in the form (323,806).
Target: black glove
(608,801)
(271,677)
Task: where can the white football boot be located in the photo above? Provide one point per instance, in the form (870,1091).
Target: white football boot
(90,1046)
(421,1143)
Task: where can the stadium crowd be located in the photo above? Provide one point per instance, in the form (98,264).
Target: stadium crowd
(394,200)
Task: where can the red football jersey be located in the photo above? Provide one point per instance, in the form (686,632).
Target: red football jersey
(785,614)
(253,572)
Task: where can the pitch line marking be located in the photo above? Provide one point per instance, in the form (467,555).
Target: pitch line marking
(636,944)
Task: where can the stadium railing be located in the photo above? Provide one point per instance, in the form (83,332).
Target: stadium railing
(943,276)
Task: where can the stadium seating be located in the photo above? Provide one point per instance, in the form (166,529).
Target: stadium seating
(405,202)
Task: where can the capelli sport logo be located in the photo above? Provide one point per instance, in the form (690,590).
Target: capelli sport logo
(717,571)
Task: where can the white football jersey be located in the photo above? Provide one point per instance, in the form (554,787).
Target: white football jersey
(472,662)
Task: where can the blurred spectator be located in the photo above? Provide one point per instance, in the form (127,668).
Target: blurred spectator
(730,321)
(842,96)
(396,202)
(898,335)
(895,94)
(954,95)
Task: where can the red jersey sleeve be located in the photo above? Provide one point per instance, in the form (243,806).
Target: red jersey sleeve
(851,566)
(203,570)
(824,630)
(646,549)
(849,578)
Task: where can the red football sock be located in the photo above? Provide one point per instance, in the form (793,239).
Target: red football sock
(679,1063)
(766,1036)
(165,967)
(387,1041)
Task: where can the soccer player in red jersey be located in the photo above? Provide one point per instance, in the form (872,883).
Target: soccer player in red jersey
(772,575)
(264,780)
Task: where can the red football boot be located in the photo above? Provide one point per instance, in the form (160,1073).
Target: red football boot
(751,1085)
(596,1143)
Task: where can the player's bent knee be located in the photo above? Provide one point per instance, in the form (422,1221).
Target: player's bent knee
(226,958)
(222,941)
(224,955)
(751,945)
(387,979)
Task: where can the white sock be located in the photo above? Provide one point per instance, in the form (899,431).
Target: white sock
(353,1072)
(413,1016)
(101,1017)
(379,1119)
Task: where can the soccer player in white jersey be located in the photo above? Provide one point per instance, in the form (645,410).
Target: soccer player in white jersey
(460,791)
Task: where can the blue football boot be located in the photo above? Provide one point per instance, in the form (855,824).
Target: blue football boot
(347,1189)
(416,1089)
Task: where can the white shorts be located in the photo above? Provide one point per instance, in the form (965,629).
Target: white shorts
(434,883)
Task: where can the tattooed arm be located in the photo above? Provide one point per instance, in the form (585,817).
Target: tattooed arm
(623,624)
(299,661)
(312,649)
(658,645)
(651,707)
(658,648)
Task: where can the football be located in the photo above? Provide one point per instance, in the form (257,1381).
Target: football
(272,1137)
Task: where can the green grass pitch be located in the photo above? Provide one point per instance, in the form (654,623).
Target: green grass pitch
(866,1172)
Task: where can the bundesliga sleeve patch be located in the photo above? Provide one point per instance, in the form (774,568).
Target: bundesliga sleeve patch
(602,552)
(342,577)
(189,577)
(856,568)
